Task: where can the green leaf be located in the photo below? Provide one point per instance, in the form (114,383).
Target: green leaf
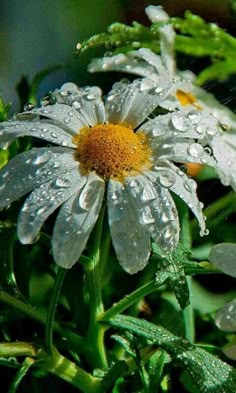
(156,367)
(173,265)
(209,374)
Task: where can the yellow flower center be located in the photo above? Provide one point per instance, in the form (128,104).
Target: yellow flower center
(187,99)
(112,150)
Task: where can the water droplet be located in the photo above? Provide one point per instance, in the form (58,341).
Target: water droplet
(179,123)
(147,217)
(76,105)
(146,84)
(41,159)
(148,194)
(164,217)
(195,150)
(28,107)
(167,179)
(62,182)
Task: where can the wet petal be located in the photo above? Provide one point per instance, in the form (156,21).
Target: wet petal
(75,222)
(185,123)
(191,152)
(223,256)
(123,63)
(167,39)
(224,150)
(31,168)
(169,176)
(86,101)
(44,200)
(156,210)
(131,103)
(130,237)
(10,130)
(225,318)
(62,115)
(156,14)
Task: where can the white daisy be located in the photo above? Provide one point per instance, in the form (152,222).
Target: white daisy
(182,92)
(113,147)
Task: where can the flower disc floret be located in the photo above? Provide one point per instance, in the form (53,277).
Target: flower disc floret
(112,151)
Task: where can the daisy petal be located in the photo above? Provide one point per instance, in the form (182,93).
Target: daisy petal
(123,63)
(224,150)
(86,101)
(44,200)
(169,176)
(31,168)
(10,130)
(167,39)
(62,115)
(156,14)
(130,238)
(75,222)
(184,123)
(191,152)
(157,211)
(131,103)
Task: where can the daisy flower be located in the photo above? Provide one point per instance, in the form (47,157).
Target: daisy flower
(110,149)
(182,92)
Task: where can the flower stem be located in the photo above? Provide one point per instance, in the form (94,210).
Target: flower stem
(132,298)
(70,372)
(95,335)
(52,307)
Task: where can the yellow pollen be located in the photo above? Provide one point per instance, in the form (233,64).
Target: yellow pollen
(187,99)
(113,151)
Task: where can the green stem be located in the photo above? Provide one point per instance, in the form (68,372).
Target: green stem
(52,308)
(188,313)
(132,298)
(189,321)
(95,335)
(70,372)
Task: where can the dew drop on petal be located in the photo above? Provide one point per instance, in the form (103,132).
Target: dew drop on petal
(179,123)
(41,158)
(147,217)
(167,179)
(62,183)
(195,150)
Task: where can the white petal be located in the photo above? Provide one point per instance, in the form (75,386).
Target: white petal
(174,179)
(223,256)
(130,238)
(86,101)
(44,200)
(75,222)
(31,168)
(226,317)
(224,150)
(62,115)
(157,211)
(191,152)
(132,103)
(156,14)
(10,130)
(123,63)
(185,123)
(167,39)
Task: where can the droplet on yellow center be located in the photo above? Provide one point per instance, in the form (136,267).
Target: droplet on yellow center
(112,150)
(187,99)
